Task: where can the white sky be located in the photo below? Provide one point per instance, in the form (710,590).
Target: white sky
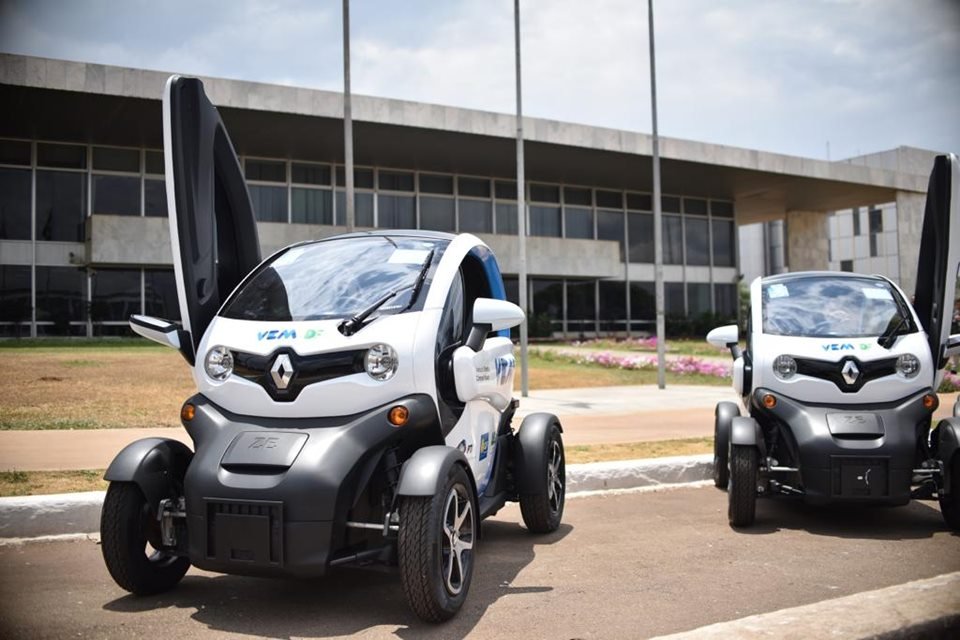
(778,75)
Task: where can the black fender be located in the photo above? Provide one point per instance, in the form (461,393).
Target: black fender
(745,431)
(424,472)
(530,452)
(725,413)
(948,443)
(156,465)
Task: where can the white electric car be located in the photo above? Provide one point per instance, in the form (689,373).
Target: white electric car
(838,381)
(354,399)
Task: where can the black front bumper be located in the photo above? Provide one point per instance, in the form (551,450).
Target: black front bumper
(850,453)
(271,496)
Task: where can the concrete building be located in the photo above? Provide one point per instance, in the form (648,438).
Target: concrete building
(84,238)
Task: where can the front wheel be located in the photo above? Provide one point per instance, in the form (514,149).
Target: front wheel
(436,547)
(742,489)
(543,511)
(129,540)
(723,419)
(950,503)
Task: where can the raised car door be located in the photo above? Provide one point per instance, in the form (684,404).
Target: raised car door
(213,232)
(939,262)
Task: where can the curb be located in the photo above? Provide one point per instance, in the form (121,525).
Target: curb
(927,608)
(78,513)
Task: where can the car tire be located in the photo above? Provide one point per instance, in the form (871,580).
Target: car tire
(723,419)
(950,503)
(742,488)
(436,566)
(127,525)
(542,512)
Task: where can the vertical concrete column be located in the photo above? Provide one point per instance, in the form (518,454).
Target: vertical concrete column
(910,207)
(807,241)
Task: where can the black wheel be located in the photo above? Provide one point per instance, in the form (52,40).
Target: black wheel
(436,547)
(130,542)
(542,512)
(950,504)
(742,490)
(724,415)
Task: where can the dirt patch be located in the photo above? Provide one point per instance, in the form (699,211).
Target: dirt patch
(633,450)
(32,483)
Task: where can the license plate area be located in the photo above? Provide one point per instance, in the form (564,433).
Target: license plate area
(848,424)
(855,477)
(245,532)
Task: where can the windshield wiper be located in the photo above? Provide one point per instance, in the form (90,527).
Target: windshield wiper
(889,335)
(355,323)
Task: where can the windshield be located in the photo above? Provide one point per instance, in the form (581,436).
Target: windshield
(831,306)
(335,279)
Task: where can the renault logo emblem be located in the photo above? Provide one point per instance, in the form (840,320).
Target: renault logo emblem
(281,371)
(850,372)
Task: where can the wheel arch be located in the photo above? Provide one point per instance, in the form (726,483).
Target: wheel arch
(155,465)
(530,456)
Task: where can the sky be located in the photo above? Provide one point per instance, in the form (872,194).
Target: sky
(826,79)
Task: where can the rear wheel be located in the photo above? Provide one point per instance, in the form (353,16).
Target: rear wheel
(724,415)
(542,512)
(436,547)
(950,503)
(742,489)
(129,535)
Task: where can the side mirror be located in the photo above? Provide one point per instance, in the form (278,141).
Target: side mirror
(492,315)
(726,337)
(163,332)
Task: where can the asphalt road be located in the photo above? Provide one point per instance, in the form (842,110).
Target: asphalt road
(621,566)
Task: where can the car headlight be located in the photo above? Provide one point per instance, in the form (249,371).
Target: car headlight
(381,362)
(785,367)
(908,365)
(218,363)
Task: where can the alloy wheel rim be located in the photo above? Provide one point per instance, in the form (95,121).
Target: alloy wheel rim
(555,477)
(457,540)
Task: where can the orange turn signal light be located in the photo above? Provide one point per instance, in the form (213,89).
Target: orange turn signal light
(769,401)
(398,416)
(931,402)
(187,412)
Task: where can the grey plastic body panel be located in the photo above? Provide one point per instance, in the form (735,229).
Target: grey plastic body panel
(156,465)
(744,431)
(425,472)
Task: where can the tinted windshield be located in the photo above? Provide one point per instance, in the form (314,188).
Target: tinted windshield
(335,279)
(825,306)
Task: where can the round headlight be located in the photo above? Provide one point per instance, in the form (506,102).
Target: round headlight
(381,362)
(908,365)
(219,363)
(785,367)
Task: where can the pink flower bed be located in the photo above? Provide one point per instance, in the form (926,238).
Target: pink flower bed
(686,365)
(951,382)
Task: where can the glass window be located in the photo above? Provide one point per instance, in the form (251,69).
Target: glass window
(695,206)
(505,190)
(396,212)
(362,178)
(301,173)
(723,243)
(547,298)
(15,152)
(640,232)
(640,201)
(160,294)
(511,285)
(154,197)
(269,203)
(643,301)
(698,241)
(610,199)
(581,306)
(432,183)
(116,195)
(576,196)
(545,221)
(396,181)
(62,297)
(266,170)
(846,265)
(61,206)
(473,187)
(613,305)
(113,159)
(876,221)
(362,208)
(544,193)
(507,219)
(311,206)
(721,209)
(726,300)
(65,156)
(476,216)
(672,240)
(610,227)
(856,221)
(116,294)
(14,204)
(154,163)
(874,249)
(14,293)
(698,298)
(673,298)
(669,204)
(336,279)
(579,223)
(437,214)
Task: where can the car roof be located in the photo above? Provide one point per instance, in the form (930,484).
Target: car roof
(799,275)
